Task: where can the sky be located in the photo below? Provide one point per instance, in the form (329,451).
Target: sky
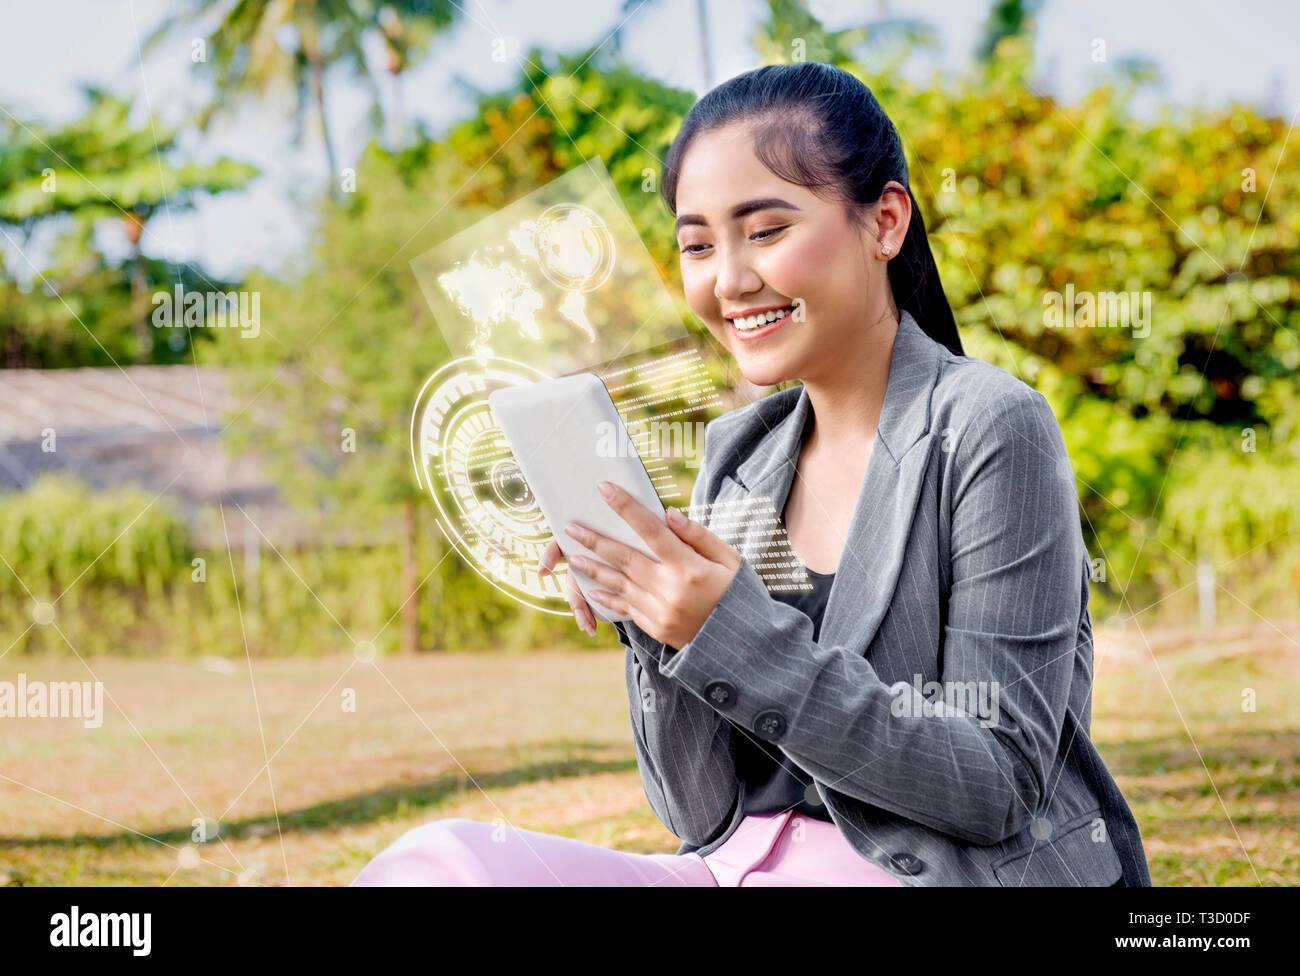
(1208,53)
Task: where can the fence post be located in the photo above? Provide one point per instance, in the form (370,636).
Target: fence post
(1205,585)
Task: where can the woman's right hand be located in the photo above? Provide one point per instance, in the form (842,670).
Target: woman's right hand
(581,609)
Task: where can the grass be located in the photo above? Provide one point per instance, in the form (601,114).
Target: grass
(543,741)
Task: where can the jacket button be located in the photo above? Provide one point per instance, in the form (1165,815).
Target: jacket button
(770,725)
(720,694)
(909,863)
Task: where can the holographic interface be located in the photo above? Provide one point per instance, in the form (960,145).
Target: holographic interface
(556,283)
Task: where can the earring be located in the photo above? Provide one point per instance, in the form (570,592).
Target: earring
(886,250)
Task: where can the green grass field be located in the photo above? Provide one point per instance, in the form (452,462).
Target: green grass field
(543,741)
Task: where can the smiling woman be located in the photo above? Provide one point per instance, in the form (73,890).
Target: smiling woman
(788,740)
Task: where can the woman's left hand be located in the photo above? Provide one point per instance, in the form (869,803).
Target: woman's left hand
(669,599)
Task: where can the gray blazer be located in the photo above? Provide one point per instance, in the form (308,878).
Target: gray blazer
(964,563)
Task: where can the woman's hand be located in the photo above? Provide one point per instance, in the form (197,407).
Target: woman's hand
(669,599)
(581,609)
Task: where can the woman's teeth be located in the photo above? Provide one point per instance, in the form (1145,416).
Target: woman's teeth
(750,322)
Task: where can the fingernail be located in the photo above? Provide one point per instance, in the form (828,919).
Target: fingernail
(606,489)
(542,570)
(675,516)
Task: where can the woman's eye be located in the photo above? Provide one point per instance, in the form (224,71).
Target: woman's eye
(758,236)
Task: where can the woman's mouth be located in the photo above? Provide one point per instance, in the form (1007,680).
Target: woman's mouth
(751,327)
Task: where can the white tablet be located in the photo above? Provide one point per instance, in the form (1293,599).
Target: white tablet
(567,437)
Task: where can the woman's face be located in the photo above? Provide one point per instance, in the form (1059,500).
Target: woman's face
(737,257)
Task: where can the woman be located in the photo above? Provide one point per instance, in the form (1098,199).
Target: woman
(918,716)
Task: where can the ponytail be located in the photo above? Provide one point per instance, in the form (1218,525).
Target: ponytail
(914,278)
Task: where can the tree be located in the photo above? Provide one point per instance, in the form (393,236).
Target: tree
(258,46)
(1006,18)
(408,28)
(98,167)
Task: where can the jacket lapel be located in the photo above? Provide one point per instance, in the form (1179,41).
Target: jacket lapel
(882,517)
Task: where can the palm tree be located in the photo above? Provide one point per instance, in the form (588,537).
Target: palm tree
(408,27)
(258,46)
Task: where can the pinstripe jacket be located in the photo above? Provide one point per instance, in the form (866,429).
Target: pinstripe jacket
(964,563)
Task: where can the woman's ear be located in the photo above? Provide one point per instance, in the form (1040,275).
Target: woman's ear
(893,215)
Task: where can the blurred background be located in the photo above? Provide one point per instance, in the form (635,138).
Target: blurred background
(222,526)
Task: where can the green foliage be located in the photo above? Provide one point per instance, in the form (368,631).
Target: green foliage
(1119,469)
(81,312)
(60,531)
(1006,19)
(101,165)
(83,309)
(1229,500)
(146,594)
(1022,196)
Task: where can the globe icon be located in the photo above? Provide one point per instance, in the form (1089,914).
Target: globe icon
(574,247)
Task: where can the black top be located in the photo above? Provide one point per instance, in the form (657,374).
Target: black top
(811,602)
(773,782)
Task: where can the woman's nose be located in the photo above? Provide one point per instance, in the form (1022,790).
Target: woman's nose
(735,276)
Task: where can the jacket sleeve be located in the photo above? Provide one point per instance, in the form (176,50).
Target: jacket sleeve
(1012,617)
(683,746)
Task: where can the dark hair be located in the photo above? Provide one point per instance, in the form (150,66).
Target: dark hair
(816,125)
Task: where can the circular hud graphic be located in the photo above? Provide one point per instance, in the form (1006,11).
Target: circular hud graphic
(574,247)
(483,504)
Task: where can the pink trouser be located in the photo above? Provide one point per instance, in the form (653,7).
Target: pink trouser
(771,849)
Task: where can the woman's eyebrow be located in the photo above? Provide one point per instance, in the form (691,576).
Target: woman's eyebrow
(740,210)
